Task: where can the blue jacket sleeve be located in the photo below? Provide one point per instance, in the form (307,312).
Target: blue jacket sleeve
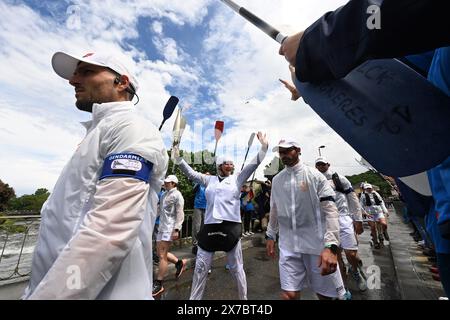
(340,40)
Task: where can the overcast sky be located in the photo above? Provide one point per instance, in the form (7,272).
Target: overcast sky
(220,66)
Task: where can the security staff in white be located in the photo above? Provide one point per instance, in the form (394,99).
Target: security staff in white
(350,220)
(96,227)
(171,217)
(222,211)
(303,213)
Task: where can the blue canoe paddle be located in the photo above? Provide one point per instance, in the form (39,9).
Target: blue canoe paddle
(168,109)
(390,114)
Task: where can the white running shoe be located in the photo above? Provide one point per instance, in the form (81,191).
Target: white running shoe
(360,281)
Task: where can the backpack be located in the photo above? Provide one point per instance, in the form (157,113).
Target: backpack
(337,183)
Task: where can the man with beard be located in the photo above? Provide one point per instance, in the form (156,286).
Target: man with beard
(303,213)
(95,238)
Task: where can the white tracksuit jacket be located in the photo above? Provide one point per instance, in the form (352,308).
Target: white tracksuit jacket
(374,209)
(303,211)
(171,211)
(95,235)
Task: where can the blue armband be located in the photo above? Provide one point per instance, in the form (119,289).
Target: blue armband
(126,165)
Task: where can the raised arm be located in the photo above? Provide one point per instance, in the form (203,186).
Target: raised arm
(251,167)
(190,173)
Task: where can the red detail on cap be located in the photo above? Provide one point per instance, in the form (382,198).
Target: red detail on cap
(88,54)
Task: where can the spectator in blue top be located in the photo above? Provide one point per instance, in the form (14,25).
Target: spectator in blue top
(248,209)
(199,213)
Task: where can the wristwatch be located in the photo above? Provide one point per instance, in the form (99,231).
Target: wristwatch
(333,248)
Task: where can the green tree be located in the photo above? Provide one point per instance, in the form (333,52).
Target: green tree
(6,193)
(200,161)
(41,191)
(272,169)
(372,178)
(31,202)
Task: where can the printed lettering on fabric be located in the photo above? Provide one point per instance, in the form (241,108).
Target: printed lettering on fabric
(126,165)
(303,186)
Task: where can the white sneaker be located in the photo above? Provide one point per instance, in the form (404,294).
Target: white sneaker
(250,233)
(360,281)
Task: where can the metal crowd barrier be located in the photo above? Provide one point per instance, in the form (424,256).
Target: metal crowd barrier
(186,230)
(17,243)
(15,236)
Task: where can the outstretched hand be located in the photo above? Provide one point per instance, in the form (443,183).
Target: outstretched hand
(294,93)
(263,139)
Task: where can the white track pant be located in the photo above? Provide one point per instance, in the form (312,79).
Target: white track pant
(203,264)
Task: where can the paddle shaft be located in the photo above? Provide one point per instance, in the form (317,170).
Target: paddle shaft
(256,21)
(162,123)
(245,158)
(215,148)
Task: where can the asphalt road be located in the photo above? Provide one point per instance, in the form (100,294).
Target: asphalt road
(263,278)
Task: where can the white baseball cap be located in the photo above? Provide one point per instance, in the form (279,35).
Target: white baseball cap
(65,64)
(221,160)
(322,159)
(171,178)
(367,186)
(286,143)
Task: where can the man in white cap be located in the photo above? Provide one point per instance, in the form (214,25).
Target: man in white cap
(96,229)
(303,213)
(350,220)
(171,217)
(374,206)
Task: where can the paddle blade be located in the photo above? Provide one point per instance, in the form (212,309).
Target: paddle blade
(388,113)
(250,141)
(218,129)
(168,109)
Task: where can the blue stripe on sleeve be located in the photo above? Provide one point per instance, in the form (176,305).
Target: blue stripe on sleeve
(126,165)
